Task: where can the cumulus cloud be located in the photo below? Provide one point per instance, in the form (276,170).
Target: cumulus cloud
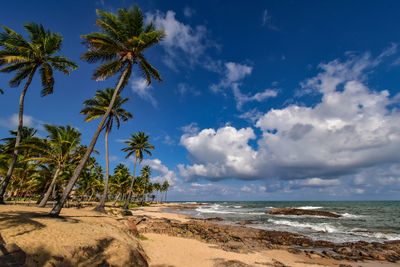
(162,172)
(219,154)
(316,182)
(181,38)
(139,86)
(352,128)
(252,115)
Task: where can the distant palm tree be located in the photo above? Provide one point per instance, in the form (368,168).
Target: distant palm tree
(164,187)
(120,181)
(136,145)
(145,173)
(60,149)
(25,58)
(120,44)
(96,108)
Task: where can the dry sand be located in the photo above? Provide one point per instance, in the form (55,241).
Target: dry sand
(80,238)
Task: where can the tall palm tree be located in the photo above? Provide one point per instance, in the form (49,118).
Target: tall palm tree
(136,145)
(60,149)
(96,108)
(120,46)
(26,58)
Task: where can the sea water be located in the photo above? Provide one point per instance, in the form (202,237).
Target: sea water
(360,220)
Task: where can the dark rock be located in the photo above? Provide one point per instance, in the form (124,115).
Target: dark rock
(293,211)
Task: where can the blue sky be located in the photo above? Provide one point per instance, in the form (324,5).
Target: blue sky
(268,100)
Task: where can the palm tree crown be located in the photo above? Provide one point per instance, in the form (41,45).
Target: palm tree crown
(137,144)
(96,108)
(26,57)
(121,43)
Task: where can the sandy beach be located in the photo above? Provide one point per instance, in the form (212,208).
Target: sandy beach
(83,237)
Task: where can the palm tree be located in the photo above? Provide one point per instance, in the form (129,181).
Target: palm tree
(26,58)
(120,45)
(120,181)
(96,108)
(60,149)
(164,187)
(136,145)
(145,173)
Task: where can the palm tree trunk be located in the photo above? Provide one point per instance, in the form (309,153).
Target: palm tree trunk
(100,207)
(116,199)
(128,199)
(5,182)
(53,182)
(57,208)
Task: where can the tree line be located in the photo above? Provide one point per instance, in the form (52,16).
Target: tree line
(59,164)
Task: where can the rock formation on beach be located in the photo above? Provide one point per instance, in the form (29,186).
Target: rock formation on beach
(293,211)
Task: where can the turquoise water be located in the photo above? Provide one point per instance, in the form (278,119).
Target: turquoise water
(361,220)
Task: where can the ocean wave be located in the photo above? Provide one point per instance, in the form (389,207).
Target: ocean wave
(269,207)
(319,227)
(238,207)
(352,216)
(309,208)
(190,202)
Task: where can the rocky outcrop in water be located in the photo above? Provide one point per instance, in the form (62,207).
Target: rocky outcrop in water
(293,211)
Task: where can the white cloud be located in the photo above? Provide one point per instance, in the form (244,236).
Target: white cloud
(234,72)
(246,189)
(316,182)
(181,38)
(352,128)
(140,87)
(252,115)
(191,129)
(163,173)
(241,99)
(219,154)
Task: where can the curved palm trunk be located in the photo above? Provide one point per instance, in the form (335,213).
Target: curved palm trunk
(57,208)
(50,189)
(6,181)
(100,207)
(128,199)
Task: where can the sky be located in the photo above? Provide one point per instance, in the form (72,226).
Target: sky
(268,100)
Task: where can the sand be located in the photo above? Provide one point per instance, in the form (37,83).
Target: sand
(81,237)
(86,238)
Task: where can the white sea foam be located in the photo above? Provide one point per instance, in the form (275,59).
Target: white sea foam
(319,227)
(270,207)
(237,207)
(309,208)
(352,216)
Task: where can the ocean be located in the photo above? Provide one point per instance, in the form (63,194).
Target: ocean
(361,220)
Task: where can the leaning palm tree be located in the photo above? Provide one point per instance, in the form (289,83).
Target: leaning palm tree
(96,108)
(25,58)
(136,145)
(60,149)
(120,46)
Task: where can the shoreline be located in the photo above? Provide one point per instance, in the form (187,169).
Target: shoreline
(158,235)
(350,252)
